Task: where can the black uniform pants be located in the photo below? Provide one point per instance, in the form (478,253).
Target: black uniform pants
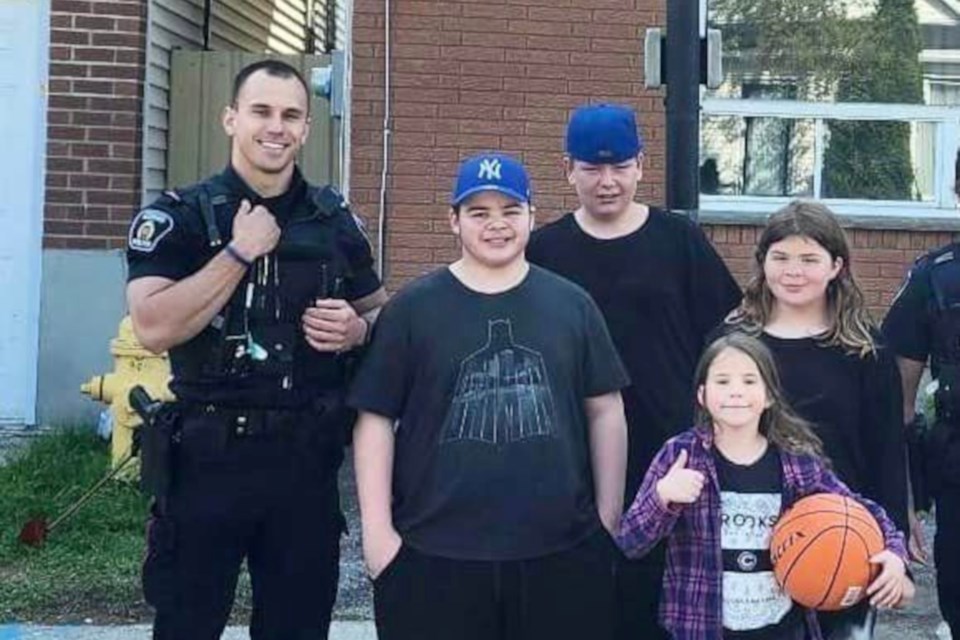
(270,498)
(946,552)
(563,596)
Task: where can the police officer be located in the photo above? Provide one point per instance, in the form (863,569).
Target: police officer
(924,321)
(260,286)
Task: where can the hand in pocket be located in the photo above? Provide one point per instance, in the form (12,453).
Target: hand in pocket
(380,549)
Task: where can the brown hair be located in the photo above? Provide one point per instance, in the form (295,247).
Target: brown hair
(850,324)
(778,423)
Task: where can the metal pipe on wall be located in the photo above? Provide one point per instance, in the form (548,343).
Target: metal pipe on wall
(382,216)
(683,106)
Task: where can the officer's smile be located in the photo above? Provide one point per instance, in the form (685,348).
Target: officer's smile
(273,146)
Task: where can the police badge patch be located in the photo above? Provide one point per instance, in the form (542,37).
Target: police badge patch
(148,228)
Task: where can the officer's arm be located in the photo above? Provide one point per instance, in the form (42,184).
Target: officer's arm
(910,373)
(608,455)
(167,312)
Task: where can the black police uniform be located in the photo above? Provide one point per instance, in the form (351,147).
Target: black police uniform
(262,423)
(923,321)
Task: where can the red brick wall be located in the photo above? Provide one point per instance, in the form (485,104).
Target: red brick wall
(470,76)
(94,121)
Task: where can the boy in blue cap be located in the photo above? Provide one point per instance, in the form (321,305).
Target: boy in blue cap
(491,442)
(661,287)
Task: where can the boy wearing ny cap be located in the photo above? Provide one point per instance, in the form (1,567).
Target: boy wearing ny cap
(490,445)
(661,287)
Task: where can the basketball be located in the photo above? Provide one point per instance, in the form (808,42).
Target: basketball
(821,549)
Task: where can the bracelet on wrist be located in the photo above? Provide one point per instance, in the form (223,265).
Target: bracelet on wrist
(236,255)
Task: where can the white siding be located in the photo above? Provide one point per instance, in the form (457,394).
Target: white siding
(173,24)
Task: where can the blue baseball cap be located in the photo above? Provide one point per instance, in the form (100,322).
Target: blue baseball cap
(491,172)
(603,134)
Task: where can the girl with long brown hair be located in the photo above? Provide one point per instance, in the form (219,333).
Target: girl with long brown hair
(804,304)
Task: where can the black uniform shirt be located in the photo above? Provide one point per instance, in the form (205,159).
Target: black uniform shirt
(908,327)
(319,255)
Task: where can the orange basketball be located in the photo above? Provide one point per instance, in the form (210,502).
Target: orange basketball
(821,549)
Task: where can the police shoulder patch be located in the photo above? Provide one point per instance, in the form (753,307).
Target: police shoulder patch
(148,229)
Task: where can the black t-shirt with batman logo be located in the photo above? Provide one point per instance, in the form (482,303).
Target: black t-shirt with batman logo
(492,458)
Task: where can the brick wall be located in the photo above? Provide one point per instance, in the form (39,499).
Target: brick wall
(470,76)
(94,122)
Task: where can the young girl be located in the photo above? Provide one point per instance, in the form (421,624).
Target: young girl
(715,493)
(806,307)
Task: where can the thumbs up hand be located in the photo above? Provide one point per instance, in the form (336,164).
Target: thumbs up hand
(680,485)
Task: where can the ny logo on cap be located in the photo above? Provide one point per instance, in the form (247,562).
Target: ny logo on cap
(489,169)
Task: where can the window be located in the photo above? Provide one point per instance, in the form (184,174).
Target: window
(863,158)
(855,102)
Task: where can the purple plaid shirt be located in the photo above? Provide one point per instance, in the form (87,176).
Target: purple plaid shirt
(691,604)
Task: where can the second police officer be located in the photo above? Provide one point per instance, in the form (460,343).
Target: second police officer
(924,322)
(259,285)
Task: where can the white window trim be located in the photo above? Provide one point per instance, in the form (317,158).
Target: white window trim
(947,120)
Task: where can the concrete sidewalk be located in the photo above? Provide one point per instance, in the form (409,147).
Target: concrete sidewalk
(339,631)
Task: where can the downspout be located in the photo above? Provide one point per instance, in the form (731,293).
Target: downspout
(381,219)
(346,124)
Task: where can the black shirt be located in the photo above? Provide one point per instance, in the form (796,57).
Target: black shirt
(661,289)
(754,606)
(856,408)
(170,239)
(492,458)
(908,325)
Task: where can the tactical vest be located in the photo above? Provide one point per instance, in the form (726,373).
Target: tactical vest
(945,350)
(253,353)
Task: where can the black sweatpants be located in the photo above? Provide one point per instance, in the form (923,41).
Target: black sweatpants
(563,596)
(639,587)
(858,621)
(271,498)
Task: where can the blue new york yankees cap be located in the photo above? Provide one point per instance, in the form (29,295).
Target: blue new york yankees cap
(603,134)
(491,172)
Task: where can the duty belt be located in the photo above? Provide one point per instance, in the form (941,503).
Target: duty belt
(243,422)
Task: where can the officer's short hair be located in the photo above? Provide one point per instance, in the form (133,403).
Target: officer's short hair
(276,68)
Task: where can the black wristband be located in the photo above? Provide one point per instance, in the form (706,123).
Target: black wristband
(233,253)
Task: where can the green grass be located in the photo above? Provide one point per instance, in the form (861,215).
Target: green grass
(89,565)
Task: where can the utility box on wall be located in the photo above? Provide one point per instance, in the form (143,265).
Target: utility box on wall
(200,88)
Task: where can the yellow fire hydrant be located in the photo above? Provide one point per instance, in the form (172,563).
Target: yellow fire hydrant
(132,365)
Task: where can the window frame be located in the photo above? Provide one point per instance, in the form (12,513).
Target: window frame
(943,207)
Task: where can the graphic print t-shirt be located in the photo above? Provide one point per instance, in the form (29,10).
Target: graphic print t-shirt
(754,606)
(491,450)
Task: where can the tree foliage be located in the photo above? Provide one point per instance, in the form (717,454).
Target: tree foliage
(805,43)
(843,51)
(872,159)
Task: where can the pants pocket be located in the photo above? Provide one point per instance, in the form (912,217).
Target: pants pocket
(388,571)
